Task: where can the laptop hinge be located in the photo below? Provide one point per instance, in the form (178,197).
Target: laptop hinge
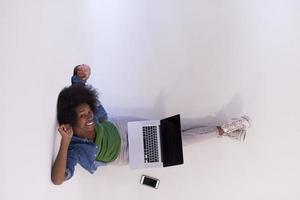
(161,144)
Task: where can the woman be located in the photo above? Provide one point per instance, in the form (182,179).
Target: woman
(92,140)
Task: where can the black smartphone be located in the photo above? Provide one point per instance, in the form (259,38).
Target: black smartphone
(149,181)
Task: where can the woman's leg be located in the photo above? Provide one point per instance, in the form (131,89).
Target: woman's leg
(192,134)
(236,129)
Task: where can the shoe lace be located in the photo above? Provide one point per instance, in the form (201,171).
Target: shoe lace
(238,135)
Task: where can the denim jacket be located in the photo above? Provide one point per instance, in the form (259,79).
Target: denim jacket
(81,150)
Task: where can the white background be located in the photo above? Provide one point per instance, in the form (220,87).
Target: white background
(206,59)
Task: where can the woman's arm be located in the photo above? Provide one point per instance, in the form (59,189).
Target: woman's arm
(80,75)
(58,173)
(100,115)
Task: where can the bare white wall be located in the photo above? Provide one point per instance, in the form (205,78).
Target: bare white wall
(208,60)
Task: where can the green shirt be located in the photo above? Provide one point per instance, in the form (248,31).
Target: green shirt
(109,141)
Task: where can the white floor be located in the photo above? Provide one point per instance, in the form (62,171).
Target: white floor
(208,60)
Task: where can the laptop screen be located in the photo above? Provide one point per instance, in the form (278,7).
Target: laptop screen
(171,141)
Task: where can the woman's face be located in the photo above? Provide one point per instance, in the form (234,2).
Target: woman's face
(85,121)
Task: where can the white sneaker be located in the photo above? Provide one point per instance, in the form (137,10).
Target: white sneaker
(237,124)
(239,135)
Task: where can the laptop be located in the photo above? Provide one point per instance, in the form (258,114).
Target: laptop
(155,143)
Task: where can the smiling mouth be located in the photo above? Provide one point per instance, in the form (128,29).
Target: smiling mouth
(90,123)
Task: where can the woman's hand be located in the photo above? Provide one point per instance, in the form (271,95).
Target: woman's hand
(66,132)
(83,71)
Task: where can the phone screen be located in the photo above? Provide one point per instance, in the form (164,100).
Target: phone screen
(150,181)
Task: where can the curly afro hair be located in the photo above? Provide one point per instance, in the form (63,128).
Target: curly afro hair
(70,97)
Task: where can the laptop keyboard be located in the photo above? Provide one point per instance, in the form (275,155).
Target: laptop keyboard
(150,144)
